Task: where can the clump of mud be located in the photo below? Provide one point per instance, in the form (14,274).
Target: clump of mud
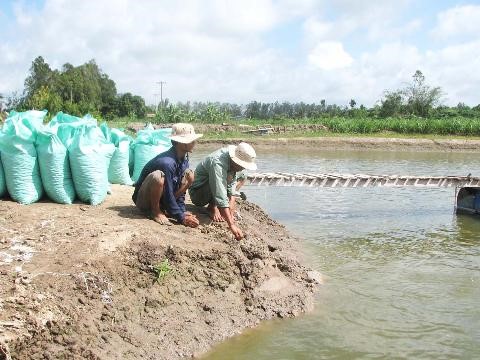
(103,282)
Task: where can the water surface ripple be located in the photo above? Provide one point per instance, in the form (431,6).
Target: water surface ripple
(403,272)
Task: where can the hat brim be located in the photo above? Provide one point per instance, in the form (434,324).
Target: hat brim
(186,139)
(244,164)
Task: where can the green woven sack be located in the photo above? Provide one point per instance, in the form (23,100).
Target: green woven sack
(89,155)
(65,126)
(3,184)
(55,168)
(19,156)
(118,171)
(148,144)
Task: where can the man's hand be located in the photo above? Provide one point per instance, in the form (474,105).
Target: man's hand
(236,232)
(191,220)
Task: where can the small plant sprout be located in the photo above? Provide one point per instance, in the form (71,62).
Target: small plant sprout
(161,270)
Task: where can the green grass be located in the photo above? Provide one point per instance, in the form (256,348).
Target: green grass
(317,134)
(455,126)
(346,126)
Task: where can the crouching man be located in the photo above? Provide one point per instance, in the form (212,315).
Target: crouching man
(215,177)
(160,189)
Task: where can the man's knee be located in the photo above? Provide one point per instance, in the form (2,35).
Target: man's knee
(188,178)
(157,178)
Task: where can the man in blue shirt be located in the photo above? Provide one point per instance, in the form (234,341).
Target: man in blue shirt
(160,189)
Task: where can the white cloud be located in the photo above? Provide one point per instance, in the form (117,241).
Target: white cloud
(455,69)
(392,62)
(330,55)
(214,50)
(460,20)
(139,45)
(380,32)
(366,22)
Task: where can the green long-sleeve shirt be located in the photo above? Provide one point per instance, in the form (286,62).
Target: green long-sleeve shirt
(215,170)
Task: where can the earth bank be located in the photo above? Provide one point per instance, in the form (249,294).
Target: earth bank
(284,136)
(79,282)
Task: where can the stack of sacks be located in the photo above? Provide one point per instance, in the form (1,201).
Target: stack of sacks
(52,148)
(19,156)
(71,157)
(119,169)
(148,144)
(89,155)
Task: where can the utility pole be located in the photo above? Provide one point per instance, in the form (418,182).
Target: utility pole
(156,103)
(161,90)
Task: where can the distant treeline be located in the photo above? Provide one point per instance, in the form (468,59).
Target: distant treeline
(415,100)
(86,89)
(76,90)
(219,112)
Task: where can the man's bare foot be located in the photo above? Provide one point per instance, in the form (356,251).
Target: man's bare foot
(161,219)
(215,214)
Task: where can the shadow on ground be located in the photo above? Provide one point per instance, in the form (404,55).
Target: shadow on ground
(132,212)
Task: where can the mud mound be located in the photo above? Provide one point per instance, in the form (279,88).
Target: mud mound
(104,282)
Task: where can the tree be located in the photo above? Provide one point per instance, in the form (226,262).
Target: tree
(74,89)
(253,110)
(139,107)
(43,98)
(14,101)
(40,75)
(352,103)
(391,103)
(125,105)
(109,95)
(323,105)
(420,97)
(417,98)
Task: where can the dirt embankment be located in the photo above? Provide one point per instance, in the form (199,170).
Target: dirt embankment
(361,143)
(78,282)
(330,142)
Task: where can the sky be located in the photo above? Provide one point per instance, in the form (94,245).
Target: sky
(240,51)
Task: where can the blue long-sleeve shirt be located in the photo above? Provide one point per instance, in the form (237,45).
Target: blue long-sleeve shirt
(173,170)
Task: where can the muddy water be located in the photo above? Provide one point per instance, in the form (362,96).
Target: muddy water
(402,271)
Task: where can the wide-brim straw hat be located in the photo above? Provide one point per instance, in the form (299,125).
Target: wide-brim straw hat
(184,133)
(244,155)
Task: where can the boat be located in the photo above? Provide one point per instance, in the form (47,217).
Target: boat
(261,130)
(468,200)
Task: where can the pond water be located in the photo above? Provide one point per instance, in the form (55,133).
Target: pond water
(402,270)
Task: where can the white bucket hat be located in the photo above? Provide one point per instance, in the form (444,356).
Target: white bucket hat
(244,155)
(184,133)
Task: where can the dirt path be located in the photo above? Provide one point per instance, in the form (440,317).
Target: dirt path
(77,281)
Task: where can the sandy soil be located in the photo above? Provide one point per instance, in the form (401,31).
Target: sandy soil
(77,281)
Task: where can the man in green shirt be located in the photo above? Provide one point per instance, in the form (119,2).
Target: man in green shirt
(215,177)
